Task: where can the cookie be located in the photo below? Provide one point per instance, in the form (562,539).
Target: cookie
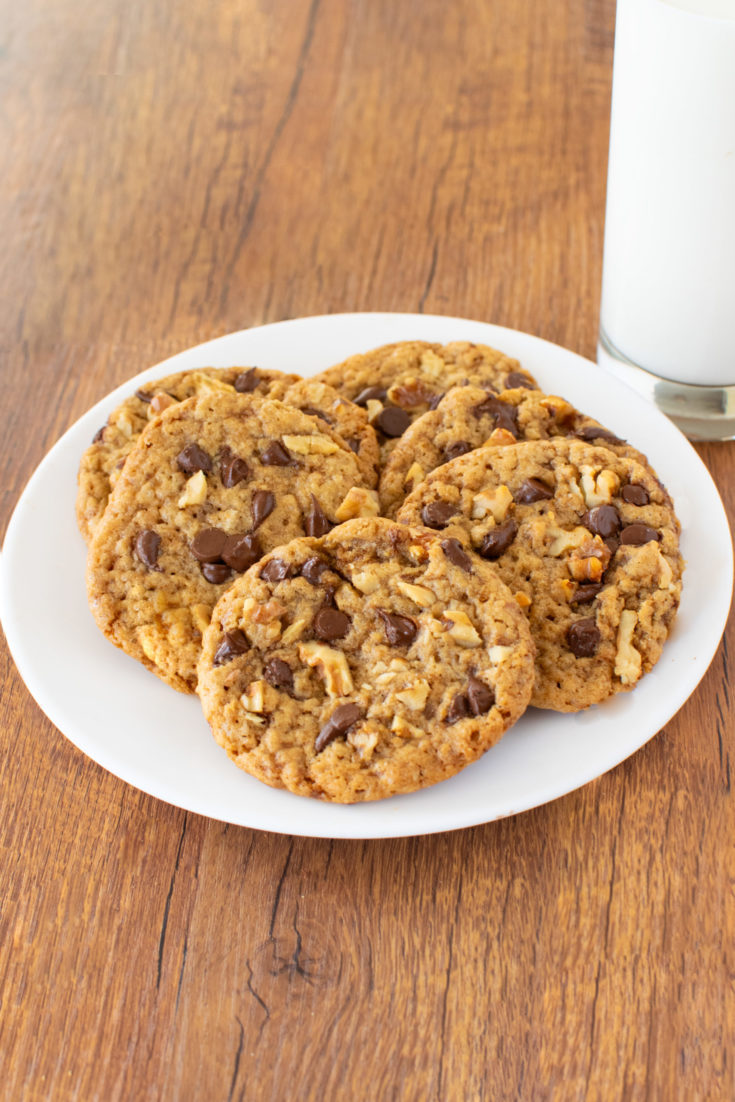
(373,661)
(468,417)
(103,460)
(398,382)
(211,485)
(588,543)
(349,420)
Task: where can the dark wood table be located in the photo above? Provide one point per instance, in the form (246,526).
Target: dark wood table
(176,171)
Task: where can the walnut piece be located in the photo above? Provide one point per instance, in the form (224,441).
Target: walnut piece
(415,696)
(253,699)
(208,384)
(158,403)
(315,444)
(367,580)
(330,664)
(628,661)
(462,630)
(414,475)
(599,489)
(410,393)
(124,422)
(201,615)
(195,491)
(293,632)
(419,594)
(496,502)
(432,365)
(588,561)
(403,729)
(358,503)
(500,436)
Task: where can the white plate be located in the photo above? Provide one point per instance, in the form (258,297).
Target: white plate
(156,739)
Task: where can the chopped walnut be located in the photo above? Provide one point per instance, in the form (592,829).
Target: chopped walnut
(500,436)
(264,614)
(559,408)
(367,580)
(293,632)
(565,540)
(358,503)
(252,717)
(599,489)
(414,475)
(373,407)
(124,422)
(330,664)
(415,696)
(417,553)
(253,699)
(195,491)
(158,403)
(363,740)
(497,502)
(210,384)
(410,393)
(499,653)
(432,365)
(462,630)
(316,444)
(588,561)
(568,589)
(419,594)
(403,729)
(628,661)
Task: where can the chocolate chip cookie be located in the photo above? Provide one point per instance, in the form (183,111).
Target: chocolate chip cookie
(103,460)
(211,485)
(588,543)
(398,382)
(373,661)
(468,417)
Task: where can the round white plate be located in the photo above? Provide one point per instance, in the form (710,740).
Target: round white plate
(156,739)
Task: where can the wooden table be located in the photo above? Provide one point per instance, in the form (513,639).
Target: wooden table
(176,171)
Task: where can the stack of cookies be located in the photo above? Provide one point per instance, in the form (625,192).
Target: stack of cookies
(368,575)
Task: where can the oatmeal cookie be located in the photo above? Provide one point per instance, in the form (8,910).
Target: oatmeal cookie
(398,382)
(586,540)
(375,660)
(211,485)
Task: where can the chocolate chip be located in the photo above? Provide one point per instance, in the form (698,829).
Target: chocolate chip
(612,543)
(583,638)
(437,514)
(400,630)
(532,489)
(276,570)
(313,569)
(461,447)
(499,540)
(275,455)
(370,393)
(232,469)
(392,421)
(192,458)
(241,551)
(342,718)
(144,396)
(479,696)
(603,520)
(278,674)
(316,521)
(99,435)
(456,554)
(234,642)
(354,445)
(147,548)
(638,533)
(263,504)
(316,413)
(504,414)
(590,433)
(246,381)
(516,379)
(458,709)
(583,594)
(635,494)
(330,623)
(208,545)
(215,572)
(434,402)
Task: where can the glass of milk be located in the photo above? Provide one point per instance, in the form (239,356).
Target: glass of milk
(667,319)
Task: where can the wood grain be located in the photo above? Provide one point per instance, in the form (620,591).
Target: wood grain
(173,172)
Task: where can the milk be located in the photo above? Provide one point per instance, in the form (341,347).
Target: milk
(668,291)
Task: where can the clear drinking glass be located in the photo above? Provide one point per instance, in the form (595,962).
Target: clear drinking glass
(667,317)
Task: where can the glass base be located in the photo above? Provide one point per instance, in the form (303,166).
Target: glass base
(701,412)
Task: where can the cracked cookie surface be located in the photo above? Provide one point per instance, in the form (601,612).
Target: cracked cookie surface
(373,661)
(469,417)
(396,383)
(103,460)
(213,483)
(586,540)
